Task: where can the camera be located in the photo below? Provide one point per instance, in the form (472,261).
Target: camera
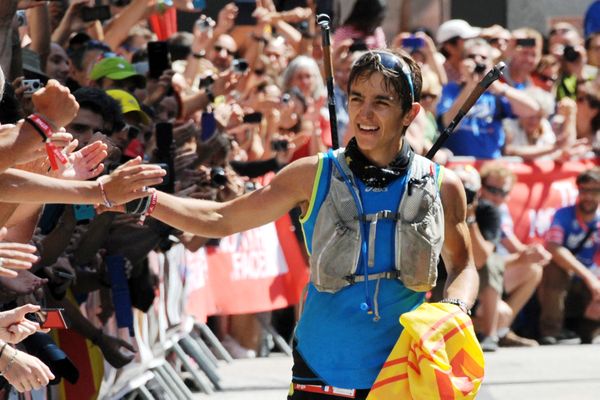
(570,54)
(21,18)
(32,85)
(279,145)
(413,43)
(239,65)
(218,177)
(479,68)
(204,24)
(206,82)
(471,194)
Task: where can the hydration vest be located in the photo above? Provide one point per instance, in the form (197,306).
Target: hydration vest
(340,229)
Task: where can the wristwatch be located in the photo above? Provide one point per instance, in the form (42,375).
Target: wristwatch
(471,219)
(199,55)
(458,302)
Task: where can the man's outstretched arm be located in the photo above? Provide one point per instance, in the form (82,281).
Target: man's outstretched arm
(291,187)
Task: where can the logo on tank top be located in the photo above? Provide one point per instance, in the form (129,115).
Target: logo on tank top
(376,189)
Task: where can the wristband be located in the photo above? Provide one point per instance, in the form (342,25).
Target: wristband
(45,130)
(458,302)
(137,206)
(150,209)
(40,124)
(39,130)
(199,55)
(105,200)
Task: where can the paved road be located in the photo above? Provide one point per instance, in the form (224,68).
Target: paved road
(543,373)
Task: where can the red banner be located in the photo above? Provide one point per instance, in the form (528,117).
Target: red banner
(542,187)
(258,270)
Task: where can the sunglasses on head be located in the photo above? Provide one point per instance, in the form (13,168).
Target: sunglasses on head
(496,191)
(391,63)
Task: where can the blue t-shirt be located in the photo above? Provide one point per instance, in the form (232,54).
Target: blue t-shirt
(480,133)
(341,343)
(568,231)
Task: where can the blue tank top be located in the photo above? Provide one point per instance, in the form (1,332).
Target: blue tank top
(342,344)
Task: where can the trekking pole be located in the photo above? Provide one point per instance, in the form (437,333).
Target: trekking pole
(324,20)
(493,75)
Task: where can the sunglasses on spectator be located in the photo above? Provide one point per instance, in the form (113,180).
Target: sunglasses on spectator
(219,49)
(546,78)
(496,40)
(495,190)
(588,190)
(561,31)
(476,56)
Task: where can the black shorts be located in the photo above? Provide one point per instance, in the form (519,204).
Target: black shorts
(302,370)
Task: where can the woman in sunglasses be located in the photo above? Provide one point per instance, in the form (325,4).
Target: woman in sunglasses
(353,201)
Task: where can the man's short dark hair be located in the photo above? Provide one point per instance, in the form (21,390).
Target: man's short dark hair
(591,175)
(396,81)
(97,101)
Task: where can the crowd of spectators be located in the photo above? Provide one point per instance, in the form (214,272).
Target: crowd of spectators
(240,96)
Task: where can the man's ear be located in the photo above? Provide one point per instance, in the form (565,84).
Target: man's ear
(411,114)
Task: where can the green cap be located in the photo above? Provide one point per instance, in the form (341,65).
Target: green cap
(115,68)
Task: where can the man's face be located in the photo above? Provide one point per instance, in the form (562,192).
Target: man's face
(594,50)
(376,116)
(589,197)
(526,58)
(85,124)
(496,189)
(221,55)
(58,65)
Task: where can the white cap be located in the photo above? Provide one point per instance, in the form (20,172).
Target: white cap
(456,28)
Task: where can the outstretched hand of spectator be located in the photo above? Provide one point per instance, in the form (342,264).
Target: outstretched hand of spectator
(14,327)
(131,181)
(111,350)
(56,103)
(15,256)
(226,18)
(85,163)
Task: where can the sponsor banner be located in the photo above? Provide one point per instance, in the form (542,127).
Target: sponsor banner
(254,271)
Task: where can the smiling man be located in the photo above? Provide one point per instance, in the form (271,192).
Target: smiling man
(570,286)
(375,216)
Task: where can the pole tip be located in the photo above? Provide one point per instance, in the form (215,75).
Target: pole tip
(323,19)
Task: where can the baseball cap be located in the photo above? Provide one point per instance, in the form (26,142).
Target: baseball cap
(456,28)
(129,105)
(116,68)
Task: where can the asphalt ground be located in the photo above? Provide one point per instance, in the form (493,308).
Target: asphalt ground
(541,373)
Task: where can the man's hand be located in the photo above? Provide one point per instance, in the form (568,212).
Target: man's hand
(15,256)
(131,180)
(14,327)
(226,18)
(85,163)
(56,103)
(111,350)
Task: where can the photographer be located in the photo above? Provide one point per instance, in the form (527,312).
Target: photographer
(480,133)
